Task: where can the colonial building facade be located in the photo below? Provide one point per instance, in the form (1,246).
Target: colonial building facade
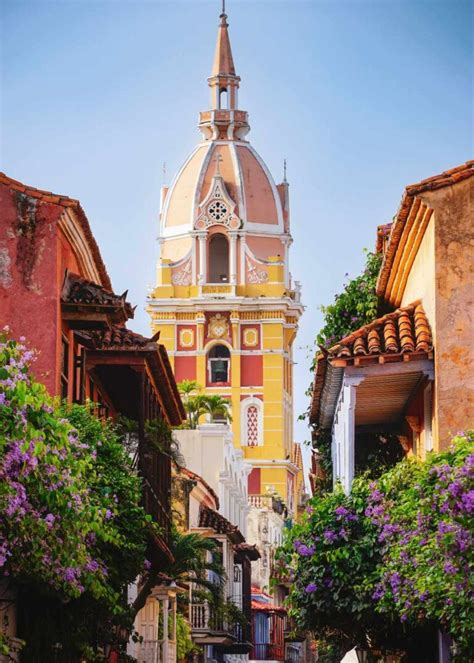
(224,304)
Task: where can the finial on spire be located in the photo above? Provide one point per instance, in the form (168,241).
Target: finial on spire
(284,171)
(223,7)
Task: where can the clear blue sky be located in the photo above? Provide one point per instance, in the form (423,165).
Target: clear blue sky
(361,97)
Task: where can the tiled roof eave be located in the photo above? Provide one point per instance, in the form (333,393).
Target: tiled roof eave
(385,358)
(401,336)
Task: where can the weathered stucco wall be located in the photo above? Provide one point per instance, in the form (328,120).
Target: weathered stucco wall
(454,354)
(29,288)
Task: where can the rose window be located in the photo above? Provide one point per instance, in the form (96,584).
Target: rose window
(217,210)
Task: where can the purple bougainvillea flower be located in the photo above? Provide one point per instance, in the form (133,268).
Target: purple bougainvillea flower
(311,587)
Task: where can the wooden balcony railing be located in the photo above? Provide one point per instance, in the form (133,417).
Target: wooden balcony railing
(267,652)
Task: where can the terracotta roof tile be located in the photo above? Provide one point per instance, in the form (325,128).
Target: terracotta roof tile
(78,290)
(447,178)
(210,518)
(397,336)
(403,331)
(117,338)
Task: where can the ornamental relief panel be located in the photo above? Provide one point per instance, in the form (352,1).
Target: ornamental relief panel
(182,275)
(218,326)
(217,208)
(186,338)
(255,273)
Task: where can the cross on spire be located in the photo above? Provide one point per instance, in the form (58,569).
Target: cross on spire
(223,7)
(218,161)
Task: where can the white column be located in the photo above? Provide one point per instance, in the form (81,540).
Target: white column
(343,442)
(193,261)
(242,258)
(202,275)
(233,258)
(165,650)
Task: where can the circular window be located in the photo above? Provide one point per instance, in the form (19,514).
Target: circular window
(217,210)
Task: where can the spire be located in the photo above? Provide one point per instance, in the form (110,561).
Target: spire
(223,61)
(224,121)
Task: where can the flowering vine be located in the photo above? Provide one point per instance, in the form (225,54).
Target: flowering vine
(393,558)
(72,528)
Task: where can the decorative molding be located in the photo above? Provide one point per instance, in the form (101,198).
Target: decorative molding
(218,327)
(184,275)
(217,208)
(255,275)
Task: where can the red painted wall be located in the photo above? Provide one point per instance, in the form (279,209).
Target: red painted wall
(254,482)
(251,370)
(185,368)
(31,278)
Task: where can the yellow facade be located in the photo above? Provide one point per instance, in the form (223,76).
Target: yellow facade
(224,302)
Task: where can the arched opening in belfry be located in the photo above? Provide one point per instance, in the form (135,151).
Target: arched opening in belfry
(218,259)
(223,98)
(218,364)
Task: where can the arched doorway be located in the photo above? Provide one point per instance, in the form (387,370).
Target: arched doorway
(218,259)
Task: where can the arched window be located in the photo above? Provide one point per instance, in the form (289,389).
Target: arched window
(251,422)
(218,259)
(223,98)
(218,364)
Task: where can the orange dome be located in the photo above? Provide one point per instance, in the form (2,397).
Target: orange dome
(247,181)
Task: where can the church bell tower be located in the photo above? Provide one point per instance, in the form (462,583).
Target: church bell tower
(224,300)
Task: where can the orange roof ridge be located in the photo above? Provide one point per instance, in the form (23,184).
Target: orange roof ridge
(446,178)
(371,325)
(46,196)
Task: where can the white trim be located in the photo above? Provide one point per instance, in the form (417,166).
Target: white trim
(171,190)
(240,186)
(259,462)
(428,416)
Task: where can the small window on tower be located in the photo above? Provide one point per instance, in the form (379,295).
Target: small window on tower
(223,99)
(218,250)
(218,364)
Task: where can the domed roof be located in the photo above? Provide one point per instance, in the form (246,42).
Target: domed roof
(247,180)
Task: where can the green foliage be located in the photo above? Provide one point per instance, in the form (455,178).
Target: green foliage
(184,643)
(354,307)
(333,552)
(197,405)
(196,558)
(375,453)
(393,561)
(425,516)
(73,532)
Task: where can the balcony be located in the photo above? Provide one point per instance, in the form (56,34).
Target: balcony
(268,502)
(208,628)
(267,652)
